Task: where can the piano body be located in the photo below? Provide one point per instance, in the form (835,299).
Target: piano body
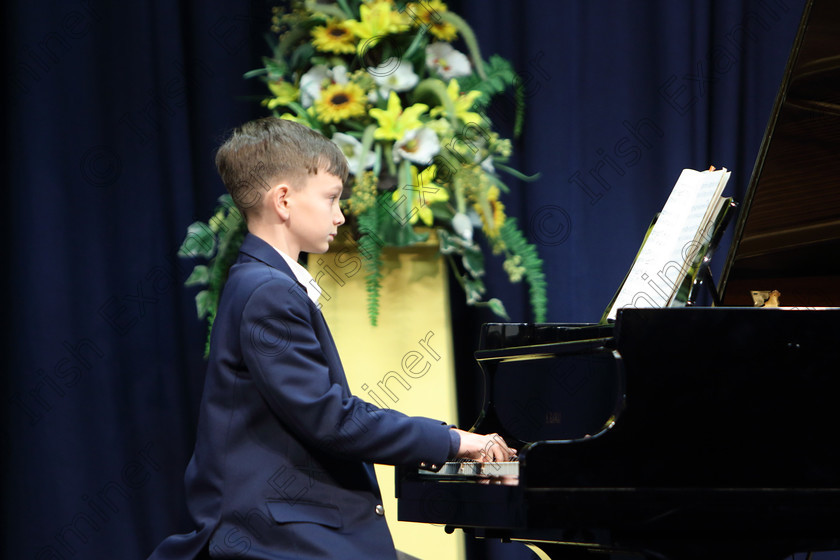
(692,432)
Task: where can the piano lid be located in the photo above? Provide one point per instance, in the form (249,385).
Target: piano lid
(788,233)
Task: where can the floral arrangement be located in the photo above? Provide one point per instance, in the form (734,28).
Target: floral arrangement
(383,80)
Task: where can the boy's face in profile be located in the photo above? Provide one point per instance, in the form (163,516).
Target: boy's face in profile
(314,213)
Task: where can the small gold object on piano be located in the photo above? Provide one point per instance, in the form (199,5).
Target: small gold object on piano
(766,298)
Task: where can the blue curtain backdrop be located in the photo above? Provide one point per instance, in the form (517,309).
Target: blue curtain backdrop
(112,115)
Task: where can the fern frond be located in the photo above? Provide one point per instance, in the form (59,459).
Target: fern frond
(519,119)
(370,247)
(517,244)
(500,76)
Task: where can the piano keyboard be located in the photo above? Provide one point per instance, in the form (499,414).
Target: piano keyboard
(476,469)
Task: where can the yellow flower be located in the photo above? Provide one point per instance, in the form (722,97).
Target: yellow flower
(284,93)
(494,221)
(441,127)
(297,119)
(339,102)
(363,195)
(513,266)
(395,121)
(378,18)
(423,192)
(503,147)
(335,37)
(443,30)
(463,103)
(427,14)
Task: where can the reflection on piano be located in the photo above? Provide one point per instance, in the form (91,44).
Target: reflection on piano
(683,432)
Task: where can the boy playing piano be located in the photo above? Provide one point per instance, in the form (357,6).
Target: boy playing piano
(282,466)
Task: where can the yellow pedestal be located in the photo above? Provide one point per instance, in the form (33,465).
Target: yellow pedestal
(405,363)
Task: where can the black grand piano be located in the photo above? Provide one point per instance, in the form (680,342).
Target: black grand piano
(683,432)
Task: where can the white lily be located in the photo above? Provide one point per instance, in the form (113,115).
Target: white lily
(394,74)
(449,63)
(339,74)
(418,145)
(352,150)
(313,80)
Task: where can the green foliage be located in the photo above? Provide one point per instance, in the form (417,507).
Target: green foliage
(218,241)
(500,77)
(497,307)
(470,271)
(533,266)
(200,241)
(370,247)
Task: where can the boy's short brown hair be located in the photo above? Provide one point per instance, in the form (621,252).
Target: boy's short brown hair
(261,152)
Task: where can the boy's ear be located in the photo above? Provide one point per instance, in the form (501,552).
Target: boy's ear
(279,200)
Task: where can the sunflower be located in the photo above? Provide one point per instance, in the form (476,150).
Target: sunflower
(427,14)
(339,102)
(376,20)
(335,37)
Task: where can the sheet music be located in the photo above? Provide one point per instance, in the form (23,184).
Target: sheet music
(675,238)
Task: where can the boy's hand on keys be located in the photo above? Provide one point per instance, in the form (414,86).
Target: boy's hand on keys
(484,448)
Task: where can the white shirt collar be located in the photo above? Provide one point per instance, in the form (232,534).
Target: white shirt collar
(313,290)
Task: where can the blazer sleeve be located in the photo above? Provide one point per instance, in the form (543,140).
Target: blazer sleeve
(282,352)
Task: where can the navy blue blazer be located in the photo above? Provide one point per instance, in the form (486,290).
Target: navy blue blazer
(282,461)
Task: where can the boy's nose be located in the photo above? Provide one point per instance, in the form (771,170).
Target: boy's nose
(338,219)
